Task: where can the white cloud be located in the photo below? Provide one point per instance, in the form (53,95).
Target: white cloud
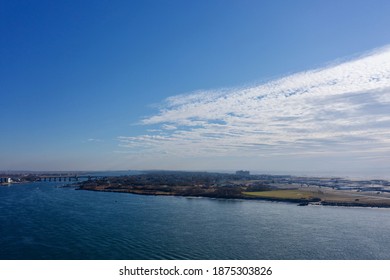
(341,108)
(95,140)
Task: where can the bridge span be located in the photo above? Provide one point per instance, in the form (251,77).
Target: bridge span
(46,178)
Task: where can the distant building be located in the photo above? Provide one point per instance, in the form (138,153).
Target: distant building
(242,173)
(9,180)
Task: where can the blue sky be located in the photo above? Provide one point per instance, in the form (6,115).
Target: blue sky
(198,85)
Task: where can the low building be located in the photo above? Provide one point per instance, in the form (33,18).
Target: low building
(242,173)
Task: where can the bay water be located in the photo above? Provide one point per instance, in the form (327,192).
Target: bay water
(44,220)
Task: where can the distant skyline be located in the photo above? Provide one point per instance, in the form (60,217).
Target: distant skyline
(298,87)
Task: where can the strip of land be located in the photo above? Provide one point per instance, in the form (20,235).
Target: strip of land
(299,190)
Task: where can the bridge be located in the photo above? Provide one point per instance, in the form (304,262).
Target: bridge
(47,178)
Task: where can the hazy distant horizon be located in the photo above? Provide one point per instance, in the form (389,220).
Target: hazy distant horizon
(356,176)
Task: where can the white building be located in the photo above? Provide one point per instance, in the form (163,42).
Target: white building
(9,180)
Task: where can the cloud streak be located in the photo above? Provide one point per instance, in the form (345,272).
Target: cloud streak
(94,140)
(343,108)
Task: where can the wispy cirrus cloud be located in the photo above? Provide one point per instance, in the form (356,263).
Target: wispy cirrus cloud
(96,140)
(343,108)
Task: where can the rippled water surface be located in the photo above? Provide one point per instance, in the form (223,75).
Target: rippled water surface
(45,221)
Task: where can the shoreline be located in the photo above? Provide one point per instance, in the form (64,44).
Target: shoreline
(298,202)
(302,191)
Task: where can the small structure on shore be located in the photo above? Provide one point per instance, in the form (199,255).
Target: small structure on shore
(242,173)
(5,180)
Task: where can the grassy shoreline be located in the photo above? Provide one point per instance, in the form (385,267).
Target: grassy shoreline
(298,196)
(299,190)
(323,197)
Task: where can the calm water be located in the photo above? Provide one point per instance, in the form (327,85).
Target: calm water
(44,221)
